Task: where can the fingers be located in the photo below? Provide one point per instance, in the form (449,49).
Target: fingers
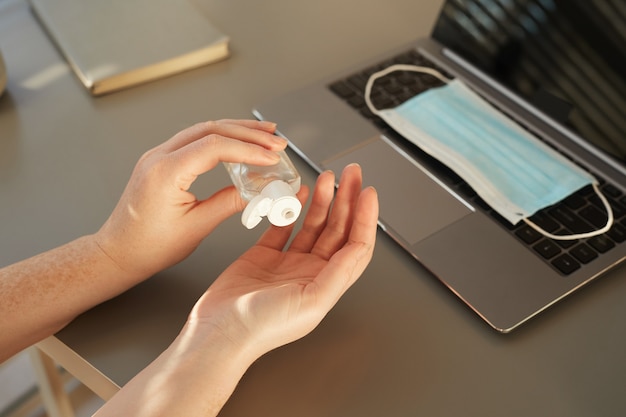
(201,147)
(325,231)
(365,221)
(336,231)
(204,154)
(276,237)
(251,131)
(210,212)
(347,264)
(317,214)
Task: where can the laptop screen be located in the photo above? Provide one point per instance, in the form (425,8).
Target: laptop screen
(566,57)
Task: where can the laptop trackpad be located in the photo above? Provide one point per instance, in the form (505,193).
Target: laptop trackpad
(412,203)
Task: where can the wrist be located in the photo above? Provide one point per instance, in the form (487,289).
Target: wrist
(113,252)
(198,371)
(226,342)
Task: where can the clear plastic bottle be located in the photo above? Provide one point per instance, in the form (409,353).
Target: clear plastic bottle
(269,190)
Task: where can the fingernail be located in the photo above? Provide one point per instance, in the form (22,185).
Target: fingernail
(269,127)
(272,156)
(280,140)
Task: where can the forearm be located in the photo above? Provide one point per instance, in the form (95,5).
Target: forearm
(40,295)
(195,376)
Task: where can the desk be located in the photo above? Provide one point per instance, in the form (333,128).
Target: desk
(397,344)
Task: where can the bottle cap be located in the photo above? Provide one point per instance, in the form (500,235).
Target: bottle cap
(277,201)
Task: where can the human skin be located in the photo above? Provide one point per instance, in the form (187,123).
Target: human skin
(270,296)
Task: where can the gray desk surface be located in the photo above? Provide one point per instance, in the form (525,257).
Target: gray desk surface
(398,344)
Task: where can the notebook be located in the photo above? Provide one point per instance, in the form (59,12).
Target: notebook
(562,80)
(116,44)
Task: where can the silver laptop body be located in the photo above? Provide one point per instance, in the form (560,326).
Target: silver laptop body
(424,209)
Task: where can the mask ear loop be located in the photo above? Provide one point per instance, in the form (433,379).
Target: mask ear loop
(437,74)
(393,68)
(606,228)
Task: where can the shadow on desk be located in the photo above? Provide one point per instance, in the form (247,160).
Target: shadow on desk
(165,301)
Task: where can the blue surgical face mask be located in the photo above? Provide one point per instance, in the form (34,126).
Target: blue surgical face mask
(512,171)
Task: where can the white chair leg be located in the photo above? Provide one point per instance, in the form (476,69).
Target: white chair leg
(55,398)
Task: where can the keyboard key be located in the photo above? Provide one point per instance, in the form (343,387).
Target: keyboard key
(617,233)
(528,234)
(383,102)
(547,249)
(584,253)
(367,73)
(601,243)
(611,191)
(407,78)
(546,223)
(618,210)
(342,89)
(404,96)
(575,201)
(393,88)
(358,81)
(594,216)
(565,263)
(570,220)
(356,102)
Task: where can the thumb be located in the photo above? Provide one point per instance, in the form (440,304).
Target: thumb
(217,208)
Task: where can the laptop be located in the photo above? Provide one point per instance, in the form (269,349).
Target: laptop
(557,69)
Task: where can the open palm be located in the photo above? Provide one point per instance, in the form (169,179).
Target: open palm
(274,296)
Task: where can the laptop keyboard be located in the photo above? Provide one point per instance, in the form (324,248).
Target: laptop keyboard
(581,212)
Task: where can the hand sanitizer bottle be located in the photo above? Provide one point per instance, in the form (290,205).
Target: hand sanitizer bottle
(269,190)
